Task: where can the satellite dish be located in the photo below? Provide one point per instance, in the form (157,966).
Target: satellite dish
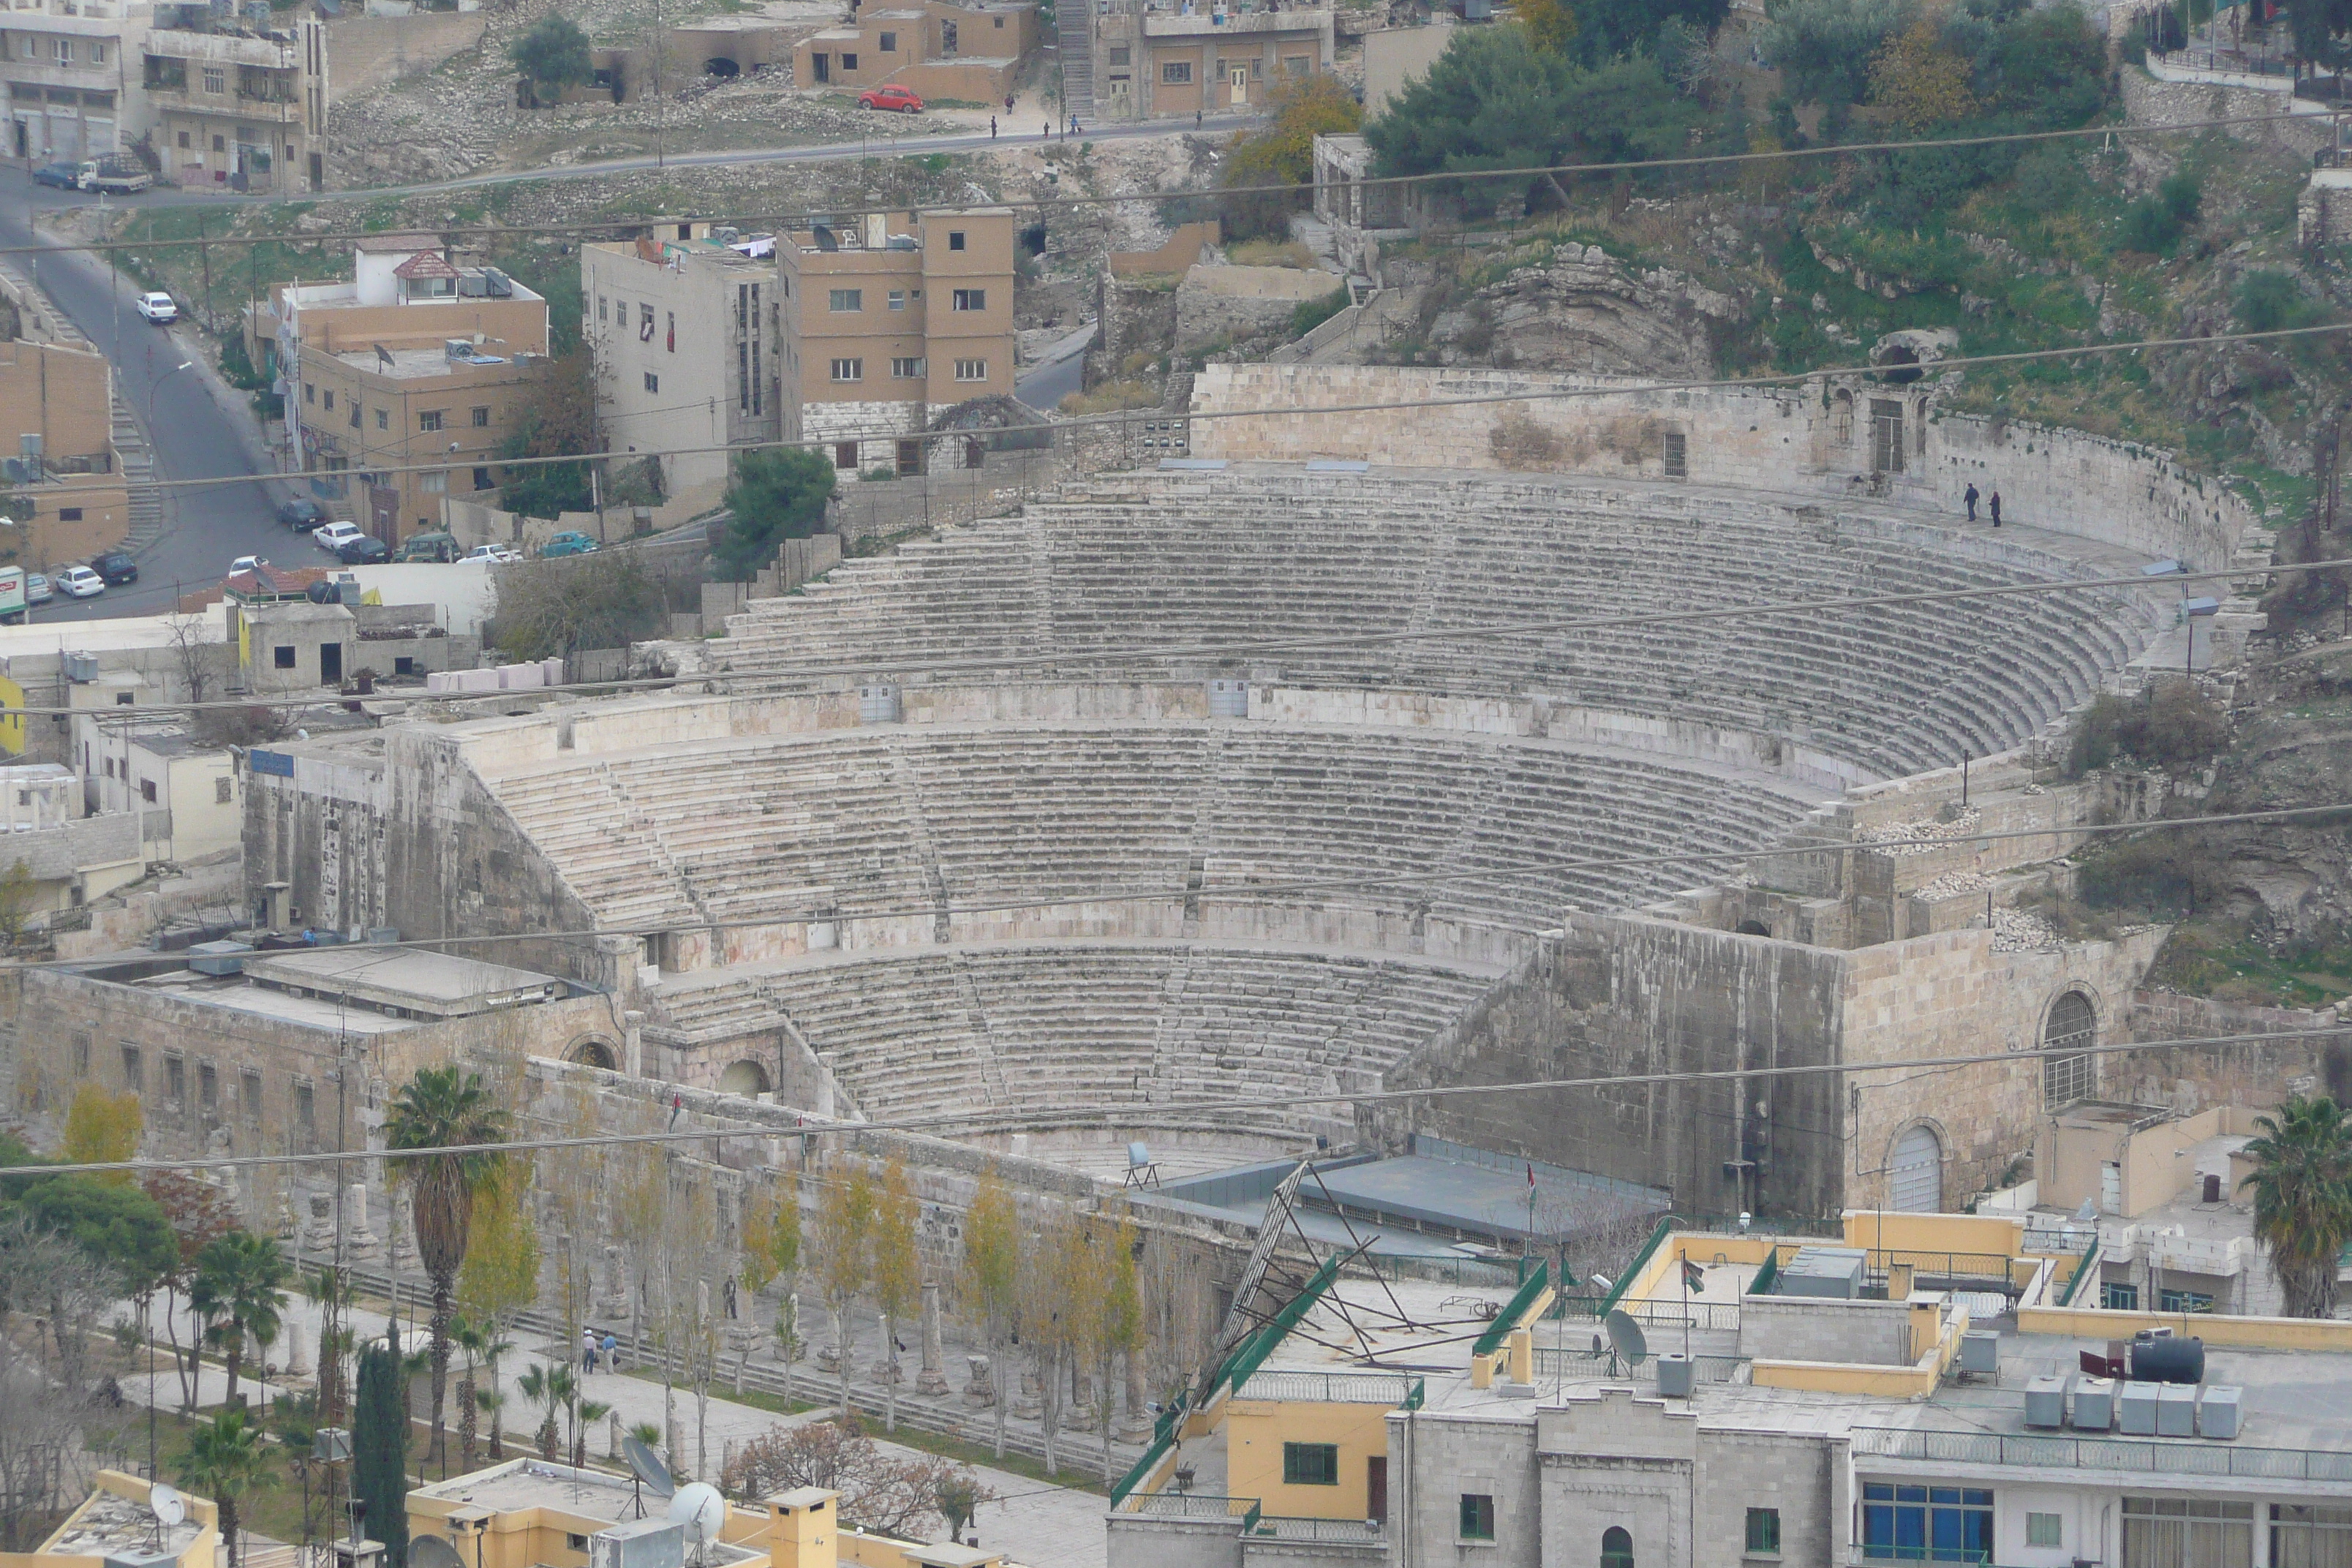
(698,1506)
(647,1466)
(167,1505)
(1625,1337)
(432,1551)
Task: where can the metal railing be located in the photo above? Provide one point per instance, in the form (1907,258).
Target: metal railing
(1552,1365)
(1333,1387)
(2086,1270)
(1346,1531)
(2136,1456)
(1192,1505)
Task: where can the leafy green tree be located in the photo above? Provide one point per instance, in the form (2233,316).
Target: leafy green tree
(1491,104)
(380,1449)
(224,1461)
(775,494)
(2270,301)
(121,1227)
(19,892)
(103,1129)
(1823,48)
(443,1108)
(557,418)
(2302,1183)
(898,1268)
(991,1279)
(844,1214)
(1283,154)
(1625,27)
(552,56)
(239,1291)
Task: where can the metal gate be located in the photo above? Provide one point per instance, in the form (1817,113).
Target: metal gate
(1914,1177)
(1886,436)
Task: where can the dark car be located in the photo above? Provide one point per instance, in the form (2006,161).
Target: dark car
(115,566)
(305,515)
(367,550)
(64,176)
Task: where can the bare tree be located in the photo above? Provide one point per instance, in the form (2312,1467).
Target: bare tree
(193,654)
(60,1290)
(895,1497)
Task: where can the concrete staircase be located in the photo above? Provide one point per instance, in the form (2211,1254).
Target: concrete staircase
(1074,31)
(138,460)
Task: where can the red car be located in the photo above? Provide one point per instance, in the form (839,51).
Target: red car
(903,99)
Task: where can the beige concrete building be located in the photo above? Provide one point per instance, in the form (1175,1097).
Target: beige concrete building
(239,109)
(55,404)
(417,360)
(185,793)
(966,52)
(889,321)
(72,78)
(1154,60)
(687,344)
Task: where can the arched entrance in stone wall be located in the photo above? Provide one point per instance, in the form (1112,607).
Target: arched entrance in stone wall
(2072,1022)
(1915,1171)
(745,1078)
(594,1053)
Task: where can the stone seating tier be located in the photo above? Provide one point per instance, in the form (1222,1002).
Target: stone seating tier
(1041,816)
(1051,1026)
(1242,558)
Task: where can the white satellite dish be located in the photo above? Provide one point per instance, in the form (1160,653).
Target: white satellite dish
(699,1508)
(167,1505)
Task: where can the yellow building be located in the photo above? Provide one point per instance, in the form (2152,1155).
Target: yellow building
(114,1525)
(71,504)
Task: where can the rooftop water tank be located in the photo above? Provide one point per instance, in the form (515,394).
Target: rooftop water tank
(2168,1360)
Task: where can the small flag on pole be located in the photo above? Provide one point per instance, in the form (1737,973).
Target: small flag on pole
(1532,1174)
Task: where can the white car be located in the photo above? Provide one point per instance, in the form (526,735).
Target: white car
(81,582)
(158,308)
(247,563)
(38,589)
(498,554)
(332,536)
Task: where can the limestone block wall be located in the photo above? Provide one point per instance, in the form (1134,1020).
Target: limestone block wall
(1807,1327)
(320,829)
(2162,94)
(1232,303)
(1811,440)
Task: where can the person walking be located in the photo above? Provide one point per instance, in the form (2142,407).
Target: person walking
(991,127)
(1993,506)
(611,1349)
(587,1350)
(1196,119)
(1970,497)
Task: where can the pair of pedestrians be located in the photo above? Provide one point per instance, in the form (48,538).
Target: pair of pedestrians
(1993,506)
(592,1348)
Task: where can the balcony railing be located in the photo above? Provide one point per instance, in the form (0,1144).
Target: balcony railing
(1332,1387)
(2187,1457)
(1242,1510)
(1343,1531)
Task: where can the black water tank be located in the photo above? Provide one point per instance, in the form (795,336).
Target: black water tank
(2173,1359)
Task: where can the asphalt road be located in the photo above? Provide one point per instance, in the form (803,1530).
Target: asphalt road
(188,421)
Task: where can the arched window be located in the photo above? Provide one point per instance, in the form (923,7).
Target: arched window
(1915,1174)
(595,1054)
(2066,1079)
(1616,1547)
(745,1078)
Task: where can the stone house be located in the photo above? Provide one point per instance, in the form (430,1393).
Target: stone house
(1155,60)
(940,48)
(236,108)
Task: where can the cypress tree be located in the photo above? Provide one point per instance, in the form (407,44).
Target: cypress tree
(380,1450)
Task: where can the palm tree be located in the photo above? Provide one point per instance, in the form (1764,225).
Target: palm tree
(585,1417)
(493,1403)
(224,1461)
(441,1107)
(238,1290)
(2302,1198)
(482,1347)
(553,1388)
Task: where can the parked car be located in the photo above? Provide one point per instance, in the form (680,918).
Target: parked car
(38,589)
(116,566)
(158,308)
(332,535)
(892,97)
(303,513)
(63,177)
(81,582)
(247,563)
(364,550)
(498,554)
(570,542)
(426,547)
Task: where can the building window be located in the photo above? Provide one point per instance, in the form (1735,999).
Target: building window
(2119,1298)
(2066,1079)
(327,400)
(1677,456)
(481,418)
(898,299)
(1932,1524)
(1176,73)
(955,239)
(1311,1464)
(845,454)
(481,478)
(436,483)
(147,791)
(69,514)
(220,143)
(948,39)
(63,48)
(1119,54)
(2308,1533)
(224,791)
(124,700)
(645,322)
(2050,1530)
(847,300)
(2169,1300)
(576,1543)
(849,62)
(208,1091)
(430,419)
(310,391)
(850,370)
(175,1078)
(248,1095)
(1764,1530)
(216,81)
(969,300)
(282,658)
(971,370)
(1297,65)
(383,418)
(1616,1547)
(1477,1517)
(889,43)
(669,342)
(134,1070)
(910,458)
(600,308)
(905,369)
(305,1117)
(653,381)
(183,141)
(98,54)
(2187,1533)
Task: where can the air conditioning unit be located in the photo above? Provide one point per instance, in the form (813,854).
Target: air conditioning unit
(458,348)
(2045,1404)
(81,667)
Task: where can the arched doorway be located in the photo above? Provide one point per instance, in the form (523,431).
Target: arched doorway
(2072,1023)
(595,1054)
(722,68)
(745,1078)
(1616,1547)
(1753,928)
(1915,1174)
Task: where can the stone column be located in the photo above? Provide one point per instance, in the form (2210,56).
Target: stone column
(358,1241)
(404,1229)
(932,1379)
(1136,1425)
(980,1391)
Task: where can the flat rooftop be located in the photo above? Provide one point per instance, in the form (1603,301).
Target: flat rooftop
(107,1525)
(431,984)
(589,1495)
(414,365)
(1411,1327)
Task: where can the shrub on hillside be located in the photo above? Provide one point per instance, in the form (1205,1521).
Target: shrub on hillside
(2174,726)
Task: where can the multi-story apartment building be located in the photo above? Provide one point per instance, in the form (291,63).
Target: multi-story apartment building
(65,494)
(416,361)
(234,107)
(889,321)
(72,76)
(940,48)
(1155,58)
(686,338)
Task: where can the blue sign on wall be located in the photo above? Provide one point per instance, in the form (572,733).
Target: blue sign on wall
(277,763)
